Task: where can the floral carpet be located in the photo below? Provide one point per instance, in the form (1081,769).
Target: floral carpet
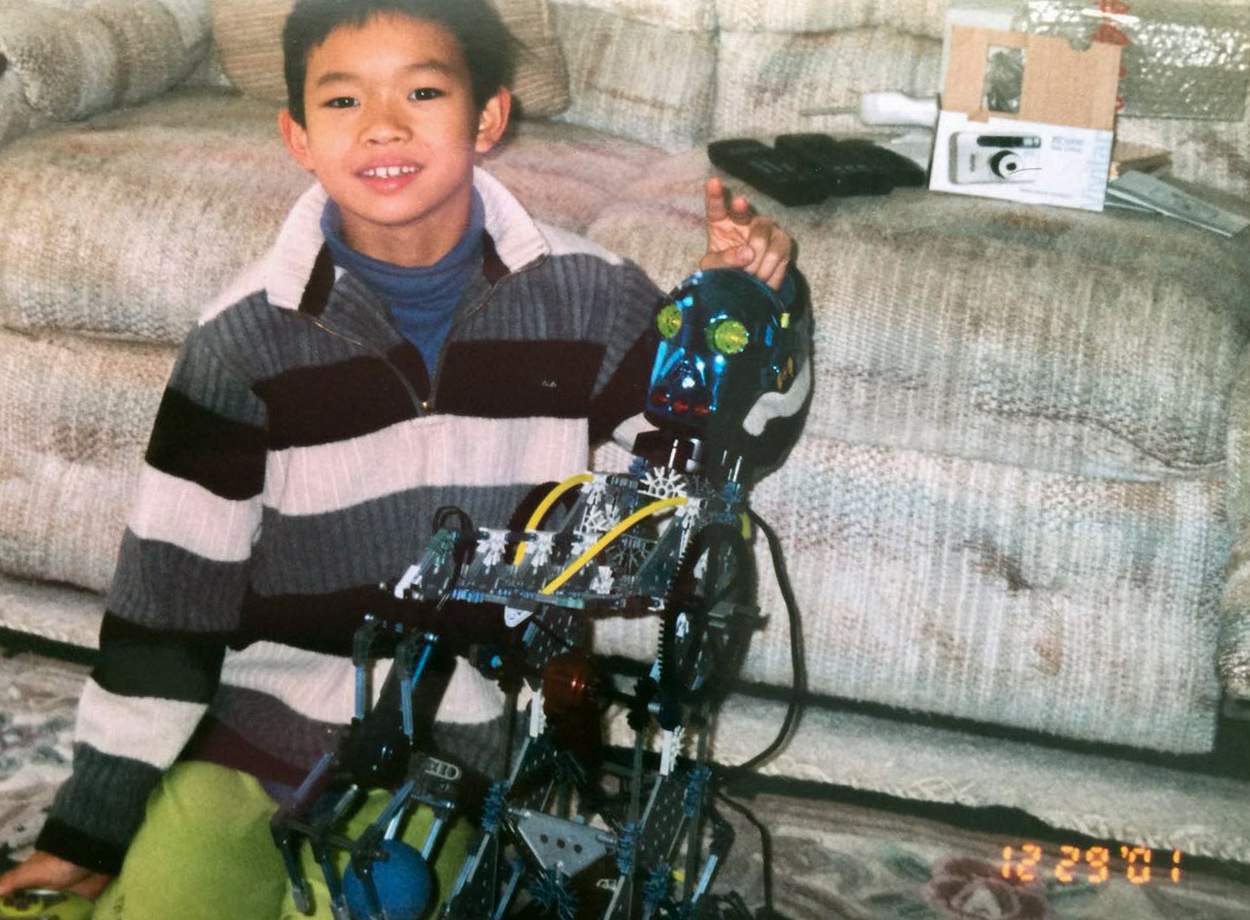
(830,860)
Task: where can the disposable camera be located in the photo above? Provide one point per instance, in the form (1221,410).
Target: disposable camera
(994,158)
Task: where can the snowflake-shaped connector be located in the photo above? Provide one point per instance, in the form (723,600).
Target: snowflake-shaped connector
(583,543)
(540,548)
(603,580)
(490,548)
(596,488)
(662,483)
(598,521)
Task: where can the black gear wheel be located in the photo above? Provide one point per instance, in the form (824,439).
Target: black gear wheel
(714,591)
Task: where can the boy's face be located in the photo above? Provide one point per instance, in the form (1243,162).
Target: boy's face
(391,131)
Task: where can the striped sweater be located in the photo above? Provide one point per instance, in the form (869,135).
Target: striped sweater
(298,456)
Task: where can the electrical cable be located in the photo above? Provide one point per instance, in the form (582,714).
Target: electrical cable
(766,845)
(798,665)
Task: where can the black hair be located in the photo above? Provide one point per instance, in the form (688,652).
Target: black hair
(488,47)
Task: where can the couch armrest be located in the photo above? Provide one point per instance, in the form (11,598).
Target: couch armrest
(62,64)
(1234,646)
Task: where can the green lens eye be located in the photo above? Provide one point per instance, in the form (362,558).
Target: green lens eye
(728,336)
(668,320)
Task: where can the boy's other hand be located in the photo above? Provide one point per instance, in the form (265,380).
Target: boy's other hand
(43,870)
(737,237)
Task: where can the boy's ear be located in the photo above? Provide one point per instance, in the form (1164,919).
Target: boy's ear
(493,120)
(296,138)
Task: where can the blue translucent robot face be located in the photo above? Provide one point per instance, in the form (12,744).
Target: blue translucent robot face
(727,340)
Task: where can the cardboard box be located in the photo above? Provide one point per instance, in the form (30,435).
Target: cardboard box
(1048,144)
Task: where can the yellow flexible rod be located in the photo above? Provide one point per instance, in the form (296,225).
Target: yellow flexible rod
(654,508)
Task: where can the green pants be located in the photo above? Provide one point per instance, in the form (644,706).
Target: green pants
(204,852)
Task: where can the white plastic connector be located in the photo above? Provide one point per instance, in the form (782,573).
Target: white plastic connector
(889,108)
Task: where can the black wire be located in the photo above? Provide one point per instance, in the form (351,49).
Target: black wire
(766,845)
(798,664)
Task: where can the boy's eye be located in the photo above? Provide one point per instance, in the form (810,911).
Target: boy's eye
(425,93)
(340,102)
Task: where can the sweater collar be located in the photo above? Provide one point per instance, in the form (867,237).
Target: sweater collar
(287,270)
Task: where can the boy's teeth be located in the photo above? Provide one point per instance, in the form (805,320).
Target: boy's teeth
(389,172)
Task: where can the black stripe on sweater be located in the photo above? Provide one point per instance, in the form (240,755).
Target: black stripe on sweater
(308,406)
(136,661)
(625,394)
(326,622)
(191,442)
(519,379)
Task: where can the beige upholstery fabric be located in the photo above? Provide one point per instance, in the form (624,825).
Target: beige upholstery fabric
(566,174)
(634,79)
(924,18)
(769,82)
(75,415)
(682,15)
(71,59)
(130,222)
(249,37)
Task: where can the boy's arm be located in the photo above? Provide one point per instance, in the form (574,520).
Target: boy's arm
(174,601)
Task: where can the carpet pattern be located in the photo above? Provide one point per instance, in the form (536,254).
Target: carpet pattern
(830,860)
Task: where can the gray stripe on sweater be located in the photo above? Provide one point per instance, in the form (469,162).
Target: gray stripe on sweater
(367,543)
(105,797)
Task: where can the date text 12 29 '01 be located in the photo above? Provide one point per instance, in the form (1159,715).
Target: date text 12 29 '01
(1140,865)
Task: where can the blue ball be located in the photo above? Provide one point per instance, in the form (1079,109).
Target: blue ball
(404,881)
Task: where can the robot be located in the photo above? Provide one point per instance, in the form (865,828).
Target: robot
(570,832)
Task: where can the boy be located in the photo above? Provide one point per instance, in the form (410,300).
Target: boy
(414,340)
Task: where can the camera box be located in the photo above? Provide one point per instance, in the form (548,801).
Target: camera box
(1026,118)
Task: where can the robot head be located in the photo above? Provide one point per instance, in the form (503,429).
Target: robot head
(732,355)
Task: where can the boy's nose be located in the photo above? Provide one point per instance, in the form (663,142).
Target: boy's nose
(385,127)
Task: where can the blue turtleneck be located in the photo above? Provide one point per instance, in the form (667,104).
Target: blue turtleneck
(422,300)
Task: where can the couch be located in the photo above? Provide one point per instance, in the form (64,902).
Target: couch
(1016,522)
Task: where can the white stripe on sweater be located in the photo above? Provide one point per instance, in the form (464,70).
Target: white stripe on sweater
(322,687)
(147,729)
(438,450)
(179,512)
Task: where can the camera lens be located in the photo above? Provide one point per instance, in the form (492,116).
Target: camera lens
(1004,164)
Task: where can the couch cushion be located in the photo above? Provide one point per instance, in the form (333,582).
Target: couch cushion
(69,60)
(771,82)
(131,222)
(916,17)
(75,414)
(1080,607)
(249,39)
(1095,344)
(172,199)
(678,15)
(633,78)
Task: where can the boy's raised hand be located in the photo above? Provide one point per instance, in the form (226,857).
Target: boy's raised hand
(737,237)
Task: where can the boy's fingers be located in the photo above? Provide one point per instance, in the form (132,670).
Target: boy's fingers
(779,275)
(714,199)
(91,886)
(43,870)
(770,244)
(737,257)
